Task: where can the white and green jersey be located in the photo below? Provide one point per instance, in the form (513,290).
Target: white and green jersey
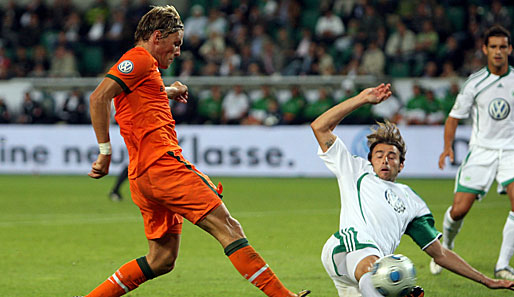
(488,99)
(375,212)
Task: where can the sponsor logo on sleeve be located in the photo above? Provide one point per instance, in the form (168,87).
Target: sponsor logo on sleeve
(126,67)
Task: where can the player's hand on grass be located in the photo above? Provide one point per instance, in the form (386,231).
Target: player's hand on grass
(100,167)
(377,94)
(448,152)
(178,92)
(500,284)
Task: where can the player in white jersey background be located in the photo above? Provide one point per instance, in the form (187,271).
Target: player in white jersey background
(488,98)
(375,210)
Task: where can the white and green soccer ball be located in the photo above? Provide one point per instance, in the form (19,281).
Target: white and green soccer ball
(393,275)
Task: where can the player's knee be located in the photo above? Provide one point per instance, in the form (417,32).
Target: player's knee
(168,266)
(364,266)
(225,221)
(233,224)
(231,229)
(161,263)
(458,212)
(164,266)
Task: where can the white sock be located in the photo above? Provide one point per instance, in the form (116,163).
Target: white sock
(450,229)
(507,248)
(366,286)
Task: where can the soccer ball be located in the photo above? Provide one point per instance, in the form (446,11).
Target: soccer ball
(393,275)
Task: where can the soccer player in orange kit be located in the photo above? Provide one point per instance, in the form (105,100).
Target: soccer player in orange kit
(164,185)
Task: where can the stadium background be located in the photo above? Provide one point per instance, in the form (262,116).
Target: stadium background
(53,54)
(284,62)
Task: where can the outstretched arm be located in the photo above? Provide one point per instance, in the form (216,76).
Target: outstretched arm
(449,135)
(326,123)
(453,262)
(100,110)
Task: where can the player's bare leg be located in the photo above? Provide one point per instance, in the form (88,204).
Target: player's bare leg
(245,259)
(462,203)
(160,260)
(453,220)
(363,276)
(163,253)
(502,268)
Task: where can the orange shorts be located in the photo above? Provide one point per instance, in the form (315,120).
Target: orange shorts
(172,189)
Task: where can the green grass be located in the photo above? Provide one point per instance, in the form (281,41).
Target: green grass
(61,236)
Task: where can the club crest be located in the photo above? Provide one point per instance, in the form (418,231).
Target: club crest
(394,200)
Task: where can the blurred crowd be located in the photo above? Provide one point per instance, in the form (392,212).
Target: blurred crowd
(266,105)
(395,38)
(426,38)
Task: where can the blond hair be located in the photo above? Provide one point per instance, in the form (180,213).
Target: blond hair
(163,18)
(387,133)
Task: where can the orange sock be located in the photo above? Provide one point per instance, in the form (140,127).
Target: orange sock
(252,267)
(125,279)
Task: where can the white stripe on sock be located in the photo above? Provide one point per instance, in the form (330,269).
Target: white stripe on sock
(122,285)
(259,272)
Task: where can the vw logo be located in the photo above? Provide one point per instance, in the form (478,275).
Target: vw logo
(126,66)
(499,109)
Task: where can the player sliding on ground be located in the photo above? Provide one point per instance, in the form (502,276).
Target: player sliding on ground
(375,210)
(164,185)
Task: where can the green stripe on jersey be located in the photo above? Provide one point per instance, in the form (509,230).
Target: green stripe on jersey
(120,82)
(347,243)
(188,166)
(359,194)
(507,182)
(482,80)
(464,189)
(479,92)
(471,77)
(486,87)
(422,230)
(506,73)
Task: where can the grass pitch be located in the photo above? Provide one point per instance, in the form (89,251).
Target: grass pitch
(61,236)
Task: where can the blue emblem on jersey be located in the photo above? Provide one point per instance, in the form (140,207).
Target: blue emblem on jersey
(126,66)
(499,109)
(395,201)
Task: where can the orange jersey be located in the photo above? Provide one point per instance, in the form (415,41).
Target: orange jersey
(142,110)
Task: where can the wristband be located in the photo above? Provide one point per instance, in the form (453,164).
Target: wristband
(105,148)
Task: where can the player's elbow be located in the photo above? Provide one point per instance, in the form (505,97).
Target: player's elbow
(94,98)
(320,127)
(317,126)
(441,256)
(97,99)
(314,126)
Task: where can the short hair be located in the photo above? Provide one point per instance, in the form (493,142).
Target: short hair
(496,30)
(387,133)
(163,18)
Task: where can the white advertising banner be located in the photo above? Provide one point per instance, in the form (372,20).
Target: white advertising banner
(218,150)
